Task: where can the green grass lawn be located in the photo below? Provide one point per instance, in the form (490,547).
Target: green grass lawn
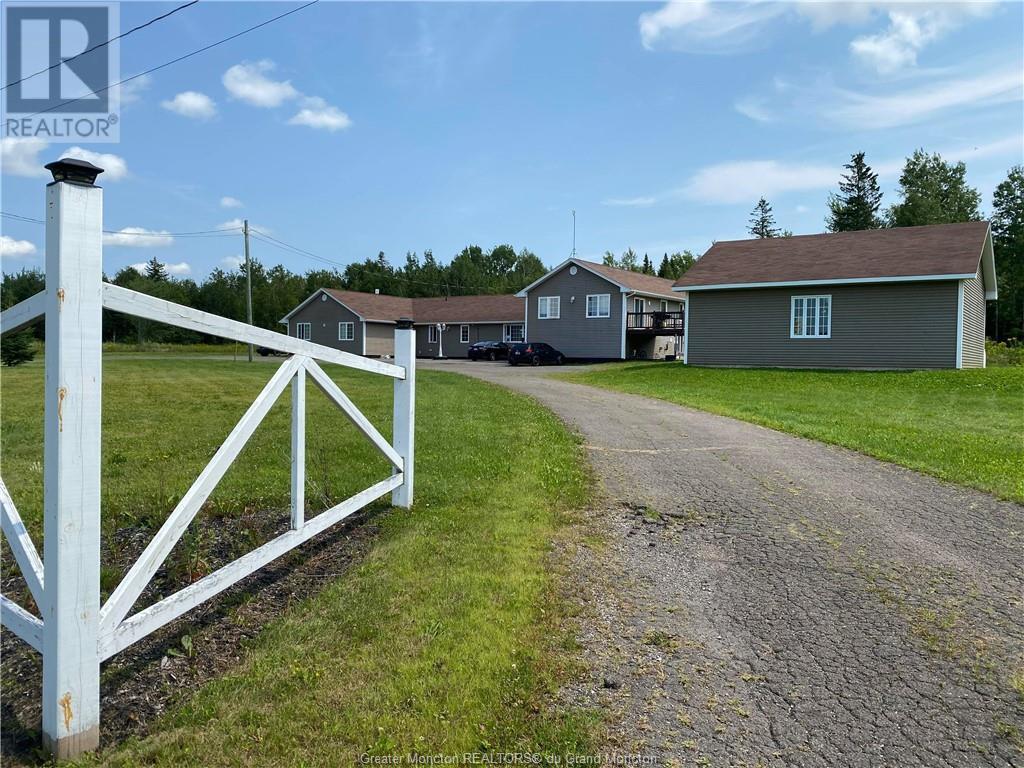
(963,426)
(444,639)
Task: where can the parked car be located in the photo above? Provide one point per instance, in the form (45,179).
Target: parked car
(534,353)
(267,351)
(488,350)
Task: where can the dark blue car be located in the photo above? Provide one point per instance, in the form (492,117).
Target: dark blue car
(534,353)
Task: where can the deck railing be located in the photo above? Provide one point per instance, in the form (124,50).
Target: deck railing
(670,322)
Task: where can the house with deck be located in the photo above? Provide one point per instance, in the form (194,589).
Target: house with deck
(907,297)
(592,311)
(364,323)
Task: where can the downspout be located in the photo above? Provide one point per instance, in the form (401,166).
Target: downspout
(960,324)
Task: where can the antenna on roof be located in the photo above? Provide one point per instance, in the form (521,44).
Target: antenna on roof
(573,256)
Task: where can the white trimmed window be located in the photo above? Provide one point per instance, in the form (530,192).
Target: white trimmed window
(431,334)
(599,305)
(549,307)
(346,331)
(810,317)
(664,305)
(464,334)
(303,331)
(513,333)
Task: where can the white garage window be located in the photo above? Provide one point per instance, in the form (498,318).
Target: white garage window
(810,317)
(346,331)
(599,305)
(303,331)
(464,334)
(549,307)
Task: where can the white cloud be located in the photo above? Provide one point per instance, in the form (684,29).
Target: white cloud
(230,202)
(704,27)
(910,29)
(114,166)
(700,26)
(130,92)
(191,104)
(238,223)
(138,237)
(175,270)
(630,202)
(748,180)
(232,262)
(247,82)
(20,156)
(754,107)
(864,111)
(14,249)
(801,209)
(317,113)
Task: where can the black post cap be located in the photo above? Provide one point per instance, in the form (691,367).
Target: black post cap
(74,171)
(404,322)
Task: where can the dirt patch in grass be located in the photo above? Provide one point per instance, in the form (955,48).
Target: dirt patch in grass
(151,677)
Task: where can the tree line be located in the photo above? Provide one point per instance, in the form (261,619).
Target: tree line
(931,191)
(277,290)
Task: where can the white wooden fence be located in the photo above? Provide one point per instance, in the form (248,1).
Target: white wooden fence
(74,632)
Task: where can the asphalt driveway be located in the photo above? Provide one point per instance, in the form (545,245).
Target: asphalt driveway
(762,599)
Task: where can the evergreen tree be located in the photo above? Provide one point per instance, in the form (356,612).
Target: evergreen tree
(648,268)
(933,192)
(1008,239)
(156,271)
(663,268)
(762,221)
(856,206)
(17,348)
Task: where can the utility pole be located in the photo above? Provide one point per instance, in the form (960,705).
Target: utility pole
(574,233)
(248,280)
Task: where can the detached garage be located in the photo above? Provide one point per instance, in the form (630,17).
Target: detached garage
(910,297)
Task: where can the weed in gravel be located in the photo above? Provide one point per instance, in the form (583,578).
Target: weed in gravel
(662,640)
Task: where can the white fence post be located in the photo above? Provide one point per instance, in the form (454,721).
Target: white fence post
(405,409)
(71,506)
(299,449)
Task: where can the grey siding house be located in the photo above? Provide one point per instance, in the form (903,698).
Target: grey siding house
(911,297)
(364,323)
(591,311)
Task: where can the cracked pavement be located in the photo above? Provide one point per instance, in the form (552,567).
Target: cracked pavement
(765,600)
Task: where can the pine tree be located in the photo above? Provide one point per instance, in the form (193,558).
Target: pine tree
(856,206)
(762,221)
(648,267)
(1008,239)
(156,271)
(663,268)
(17,348)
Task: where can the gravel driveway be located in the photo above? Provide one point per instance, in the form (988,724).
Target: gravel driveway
(762,599)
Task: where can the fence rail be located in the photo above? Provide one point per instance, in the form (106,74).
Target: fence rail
(73,632)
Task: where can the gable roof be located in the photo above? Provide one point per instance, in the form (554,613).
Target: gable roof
(379,307)
(934,252)
(626,280)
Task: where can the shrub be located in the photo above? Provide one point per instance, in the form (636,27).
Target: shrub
(17,348)
(1009,352)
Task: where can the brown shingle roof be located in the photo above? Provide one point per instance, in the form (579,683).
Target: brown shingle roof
(634,281)
(374,306)
(452,309)
(939,249)
(468,309)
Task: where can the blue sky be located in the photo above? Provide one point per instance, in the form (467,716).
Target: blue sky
(350,128)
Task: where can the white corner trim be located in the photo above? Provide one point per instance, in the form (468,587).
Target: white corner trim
(960,324)
(622,354)
(686,331)
(836,281)
(526,320)
(364,338)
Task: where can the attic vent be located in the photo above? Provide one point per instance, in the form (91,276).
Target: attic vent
(376,291)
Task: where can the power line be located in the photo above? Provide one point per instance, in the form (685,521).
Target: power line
(222,232)
(175,61)
(101,45)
